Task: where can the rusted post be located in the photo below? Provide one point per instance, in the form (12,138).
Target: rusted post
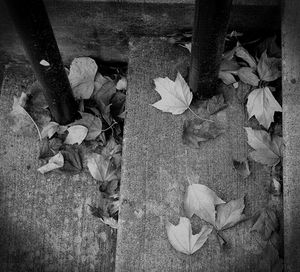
(210,26)
(34,28)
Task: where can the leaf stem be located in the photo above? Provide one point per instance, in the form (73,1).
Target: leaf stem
(109,126)
(37,128)
(221,237)
(199,116)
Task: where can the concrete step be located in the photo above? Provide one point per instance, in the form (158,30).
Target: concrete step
(45,224)
(157,166)
(291,132)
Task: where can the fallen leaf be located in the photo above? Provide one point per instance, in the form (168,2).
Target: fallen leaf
(50,129)
(215,104)
(265,223)
(117,104)
(21,120)
(176,96)
(182,239)
(44,63)
(82,74)
(112,150)
(262,104)
(247,76)
(226,77)
(48,148)
(98,212)
(188,46)
(196,131)
(72,158)
(229,66)
(242,53)
(122,84)
(105,88)
(229,214)
(76,134)
(275,187)
(201,200)
(242,167)
(270,46)
(267,151)
(269,69)
(55,162)
(92,123)
(100,168)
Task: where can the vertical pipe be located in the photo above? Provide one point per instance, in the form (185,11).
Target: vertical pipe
(33,26)
(210,27)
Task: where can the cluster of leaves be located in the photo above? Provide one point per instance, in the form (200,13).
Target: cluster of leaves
(202,201)
(93,140)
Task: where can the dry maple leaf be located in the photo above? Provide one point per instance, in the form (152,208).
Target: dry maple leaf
(262,104)
(201,200)
(182,239)
(100,168)
(269,69)
(176,97)
(267,151)
(229,214)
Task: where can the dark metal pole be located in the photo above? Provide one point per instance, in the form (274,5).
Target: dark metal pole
(32,23)
(209,32)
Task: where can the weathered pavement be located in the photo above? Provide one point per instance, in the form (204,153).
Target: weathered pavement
(157,168)
(45,224)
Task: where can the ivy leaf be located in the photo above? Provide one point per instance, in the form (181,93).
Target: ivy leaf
(50,129)
(265,223)
(196,131)
(262,104)
(182,239)
(82,74)
(76,134)
(176,97)
(267,151)
(55,162)
(201,200)
(269,69)
(242,167)
(92,123)
(247,76)
(100,168)
(229,214)
(242,53)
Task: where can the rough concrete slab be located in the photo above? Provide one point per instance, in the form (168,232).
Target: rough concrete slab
(157,166)
(291,132)
(44,220)
(102,30)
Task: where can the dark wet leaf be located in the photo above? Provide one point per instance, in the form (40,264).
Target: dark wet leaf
(72,157)
(196,131)
(242,167)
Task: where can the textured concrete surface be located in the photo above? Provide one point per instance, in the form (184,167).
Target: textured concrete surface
(103,30)
(157,167)
(291,132)
(45,224)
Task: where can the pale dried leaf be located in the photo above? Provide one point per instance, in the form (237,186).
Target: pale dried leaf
(52,128)
(229,214)
(82,74)
(267,151)
(76,134)
(262,104)
(44,63)
(182,239)
(176,97)
(55,162)
(122,84)
(201,200)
